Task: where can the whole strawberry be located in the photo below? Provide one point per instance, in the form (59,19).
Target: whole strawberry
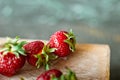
(48,74)
(32,49)
(55,74)
(38,53)
(12,57)
(64,42)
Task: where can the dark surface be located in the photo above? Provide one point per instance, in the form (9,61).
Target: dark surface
(92,22)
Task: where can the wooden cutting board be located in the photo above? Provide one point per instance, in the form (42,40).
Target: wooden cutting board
(89,61)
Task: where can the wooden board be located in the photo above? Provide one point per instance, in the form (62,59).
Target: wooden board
(89,61)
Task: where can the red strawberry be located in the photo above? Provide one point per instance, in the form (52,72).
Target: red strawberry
(48,74)
(12,57)
(55,74)
(38,53)
(32,49)
(64,42)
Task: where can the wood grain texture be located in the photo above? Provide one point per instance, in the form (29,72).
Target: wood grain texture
(89,61)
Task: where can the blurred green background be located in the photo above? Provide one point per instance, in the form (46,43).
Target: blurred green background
(93,21)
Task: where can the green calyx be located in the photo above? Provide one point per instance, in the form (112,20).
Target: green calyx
(71,40)
(14,46)
(70,75)
(45,56)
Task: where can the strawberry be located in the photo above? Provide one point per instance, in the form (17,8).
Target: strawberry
(64,42)
(12,57)
(32,49)
(48,74)
(55,74)
(38,53)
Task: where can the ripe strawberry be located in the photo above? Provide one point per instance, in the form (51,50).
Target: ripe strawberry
(64,42)
(38,53)
(55,74)
(12,57)
(48,74)
(32,49)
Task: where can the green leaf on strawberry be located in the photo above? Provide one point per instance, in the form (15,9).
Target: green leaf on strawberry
(13,45)
(71,40)
(45,56)
(70,75)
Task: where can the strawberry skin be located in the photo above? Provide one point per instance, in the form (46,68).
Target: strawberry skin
(32,49)
(10,64)
(12,57)
(64,42)
(48,74)
(31,59)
